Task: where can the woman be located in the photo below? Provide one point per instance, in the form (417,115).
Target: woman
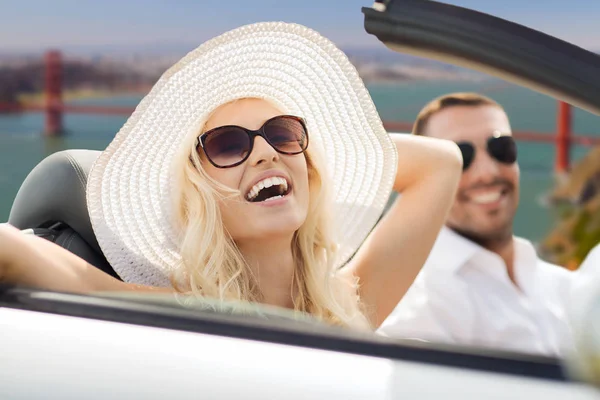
(211,187)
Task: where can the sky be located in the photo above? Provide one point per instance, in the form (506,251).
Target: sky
(77,25)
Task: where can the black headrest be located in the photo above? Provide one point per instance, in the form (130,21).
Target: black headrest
(53,197)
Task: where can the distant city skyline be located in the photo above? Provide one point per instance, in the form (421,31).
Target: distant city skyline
(142,26)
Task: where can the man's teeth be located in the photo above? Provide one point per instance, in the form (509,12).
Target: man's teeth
(487,198)
(267,183)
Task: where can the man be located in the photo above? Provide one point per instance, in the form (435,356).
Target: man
(481,286)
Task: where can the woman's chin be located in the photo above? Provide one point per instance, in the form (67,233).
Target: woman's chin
(271,228)
(283,230)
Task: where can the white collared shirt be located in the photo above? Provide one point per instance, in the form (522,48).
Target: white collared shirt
(463,295)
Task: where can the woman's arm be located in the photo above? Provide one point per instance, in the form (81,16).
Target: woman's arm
(390,259)
(32,261)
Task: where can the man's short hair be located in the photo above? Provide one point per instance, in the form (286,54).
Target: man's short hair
(446,101)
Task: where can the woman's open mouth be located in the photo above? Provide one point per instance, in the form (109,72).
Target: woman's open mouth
(269,189)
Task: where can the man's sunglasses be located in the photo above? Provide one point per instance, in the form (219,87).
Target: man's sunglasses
(501,148)
(231,145)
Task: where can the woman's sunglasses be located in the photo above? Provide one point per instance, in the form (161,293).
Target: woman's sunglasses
(501,148)
(231,145)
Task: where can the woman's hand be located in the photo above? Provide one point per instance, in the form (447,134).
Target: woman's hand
(389,260)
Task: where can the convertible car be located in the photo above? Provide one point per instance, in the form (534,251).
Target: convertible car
(59,345)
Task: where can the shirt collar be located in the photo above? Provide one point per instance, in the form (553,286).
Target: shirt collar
(525,263)
(453,251)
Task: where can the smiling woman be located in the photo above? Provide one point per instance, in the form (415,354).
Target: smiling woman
(213,188)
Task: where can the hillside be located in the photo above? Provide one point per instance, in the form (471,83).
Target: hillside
(577,201)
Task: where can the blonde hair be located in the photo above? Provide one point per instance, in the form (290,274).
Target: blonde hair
(213,266)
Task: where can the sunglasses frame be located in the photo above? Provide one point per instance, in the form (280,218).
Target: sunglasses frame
(495,135)
(252,134)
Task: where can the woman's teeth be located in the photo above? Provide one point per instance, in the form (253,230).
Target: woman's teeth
(273,198)
(265,184)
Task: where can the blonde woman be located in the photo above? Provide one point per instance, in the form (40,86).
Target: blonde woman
(256,170)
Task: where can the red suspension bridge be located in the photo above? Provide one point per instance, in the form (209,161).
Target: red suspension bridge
(54,108)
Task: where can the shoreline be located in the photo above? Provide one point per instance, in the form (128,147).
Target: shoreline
(80,94)
(368,79)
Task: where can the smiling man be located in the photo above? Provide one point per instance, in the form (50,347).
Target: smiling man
(481,285)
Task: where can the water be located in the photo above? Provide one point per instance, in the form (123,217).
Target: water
(22,146)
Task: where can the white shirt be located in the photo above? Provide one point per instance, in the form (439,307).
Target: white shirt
(463,295)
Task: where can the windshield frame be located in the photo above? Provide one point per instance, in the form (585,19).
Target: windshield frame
(485,43)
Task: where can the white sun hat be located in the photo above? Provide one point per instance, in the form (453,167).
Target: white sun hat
(129,191)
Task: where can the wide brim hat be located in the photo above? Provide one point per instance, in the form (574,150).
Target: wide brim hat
(129,191)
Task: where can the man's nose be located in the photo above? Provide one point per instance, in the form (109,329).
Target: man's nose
(484,166)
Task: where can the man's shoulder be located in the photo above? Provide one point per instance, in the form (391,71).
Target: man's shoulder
(553,269)
(554,277)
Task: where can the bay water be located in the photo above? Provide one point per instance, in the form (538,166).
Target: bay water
(22,144)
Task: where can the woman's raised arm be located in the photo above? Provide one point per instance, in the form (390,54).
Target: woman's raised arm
(32,261)
(389,260)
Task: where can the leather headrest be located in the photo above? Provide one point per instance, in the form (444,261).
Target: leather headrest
(54,191)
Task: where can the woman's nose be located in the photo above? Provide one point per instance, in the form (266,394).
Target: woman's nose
(262,152)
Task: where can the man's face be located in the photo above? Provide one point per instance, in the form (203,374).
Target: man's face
(488,193)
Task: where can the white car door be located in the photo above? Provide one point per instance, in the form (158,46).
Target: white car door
(74,347)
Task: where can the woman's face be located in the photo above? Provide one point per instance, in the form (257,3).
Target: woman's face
(250,216)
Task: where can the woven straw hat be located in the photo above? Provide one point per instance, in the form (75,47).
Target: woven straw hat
(294,67)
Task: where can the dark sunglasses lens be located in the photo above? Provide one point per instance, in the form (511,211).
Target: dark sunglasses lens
(227,146)
(468,153)
(286,135)
(503,149)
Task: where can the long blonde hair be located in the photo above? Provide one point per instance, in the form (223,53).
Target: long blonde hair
(212,265)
